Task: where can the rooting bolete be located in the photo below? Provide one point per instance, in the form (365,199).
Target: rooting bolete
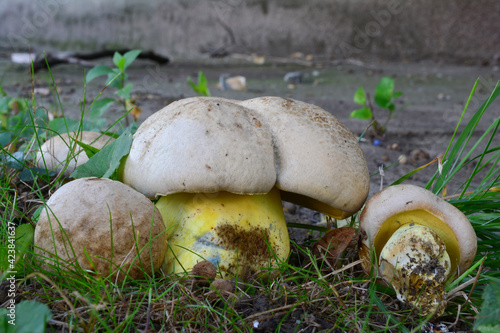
(217,168)
(419,241)
(103,226)
(62,150)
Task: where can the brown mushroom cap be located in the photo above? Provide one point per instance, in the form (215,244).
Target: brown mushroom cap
(58,149)
(81,213)
(398,205)
(319,163)
(201,145)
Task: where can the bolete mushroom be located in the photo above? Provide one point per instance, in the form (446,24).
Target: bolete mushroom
(58,150)
(419,241)
(103,226)
(319,163)
(214,163)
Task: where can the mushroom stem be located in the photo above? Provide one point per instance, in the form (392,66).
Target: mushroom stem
(239,234)
(415,262)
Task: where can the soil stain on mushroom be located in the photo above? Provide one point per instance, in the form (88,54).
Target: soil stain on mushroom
(251,244)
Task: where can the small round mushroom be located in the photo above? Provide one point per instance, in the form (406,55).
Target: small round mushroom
(103,226)
(419,241)
(58,150)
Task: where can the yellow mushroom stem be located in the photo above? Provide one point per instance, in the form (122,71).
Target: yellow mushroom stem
(239,234)
(415,262)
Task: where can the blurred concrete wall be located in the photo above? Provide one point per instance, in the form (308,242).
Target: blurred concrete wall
(456,30)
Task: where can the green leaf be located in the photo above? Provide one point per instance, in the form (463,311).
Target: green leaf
(25,234)
(130,56)
(107,160)
(202,87)
(30,317)
(363,113)
(115,78)
(360,96)
(119,61)
(99,107)
(383,92)
(397,94)
(488,319)
(88,149)
(5,138)
(65,125)
(125,91)
(98,71)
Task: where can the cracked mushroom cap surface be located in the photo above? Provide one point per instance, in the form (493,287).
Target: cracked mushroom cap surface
(81,213)
(201,145)
(399,205)
(319,163)
(59,148)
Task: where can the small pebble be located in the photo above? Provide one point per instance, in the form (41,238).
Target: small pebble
(204,272)
(377,142)
(223,285)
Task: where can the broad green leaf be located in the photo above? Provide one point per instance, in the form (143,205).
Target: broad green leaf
(130,56)
(5,138)
(383,92)
(97,71)
(117,59)
(65,125)
(99,107)
(488,319)
(30,317)
(25,235)
(88,149)
(363,113)
(115,78)
(14,160)
(107,160)
(23,238)
(125,91)
(360,96)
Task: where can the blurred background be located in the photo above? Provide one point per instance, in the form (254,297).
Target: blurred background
(456,30)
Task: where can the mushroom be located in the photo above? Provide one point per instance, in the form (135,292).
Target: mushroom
(103,226)
(319,163)
(217,167)
(55,152)
(420,241)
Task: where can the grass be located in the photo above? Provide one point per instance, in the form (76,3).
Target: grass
(307,293)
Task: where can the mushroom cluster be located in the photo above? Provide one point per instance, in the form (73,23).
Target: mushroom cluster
(420,241)
(219,169)
(103,226)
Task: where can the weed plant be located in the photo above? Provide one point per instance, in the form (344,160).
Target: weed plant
(306,293)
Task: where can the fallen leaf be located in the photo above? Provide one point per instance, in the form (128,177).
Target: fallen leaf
(135,111)
(334,243)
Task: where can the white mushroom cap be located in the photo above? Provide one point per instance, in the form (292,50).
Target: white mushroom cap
(207,144)
(58,149)
(319,163)
(201,145)
(77,224)
(397,205)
